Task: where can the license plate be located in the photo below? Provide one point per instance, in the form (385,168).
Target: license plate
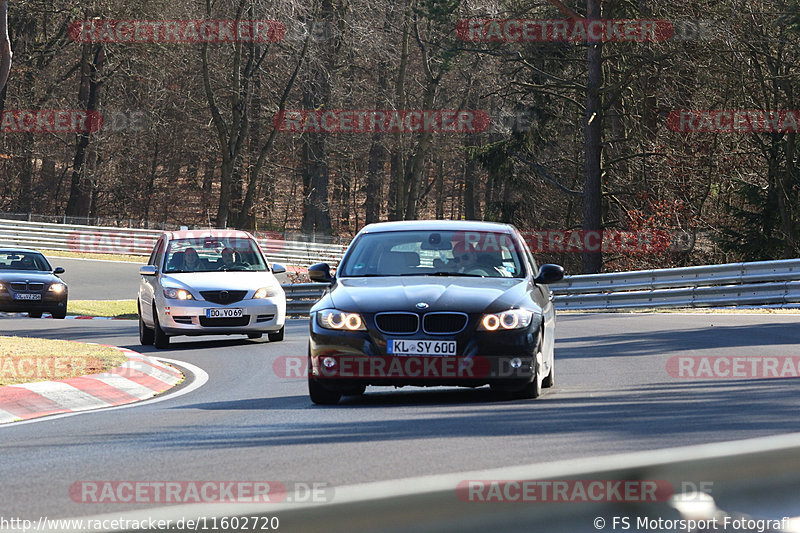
(27,296)
(411,347)
(224,313)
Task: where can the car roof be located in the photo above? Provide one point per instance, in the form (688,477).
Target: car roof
(440,225)
(20,251)
(213,233)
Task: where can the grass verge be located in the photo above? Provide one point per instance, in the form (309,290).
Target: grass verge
(26,360)
(125,309)
(53,255)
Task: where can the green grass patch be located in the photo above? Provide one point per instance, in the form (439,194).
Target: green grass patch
(125,309)
(26,360)
(140,259)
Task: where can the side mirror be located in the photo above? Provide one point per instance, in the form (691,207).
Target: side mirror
(549,274)
(148,270)
(58,270)
(320,273)
(278,269)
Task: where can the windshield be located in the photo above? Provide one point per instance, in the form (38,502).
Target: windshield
(213,254)
(24,261)
(434,253)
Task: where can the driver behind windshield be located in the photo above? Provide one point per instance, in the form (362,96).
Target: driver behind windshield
(229,259)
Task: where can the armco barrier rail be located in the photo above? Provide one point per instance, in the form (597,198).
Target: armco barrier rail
(769,283)
(772,283)
(125,241)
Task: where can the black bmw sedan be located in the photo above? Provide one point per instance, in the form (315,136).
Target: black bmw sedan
(29,284)
(433,303)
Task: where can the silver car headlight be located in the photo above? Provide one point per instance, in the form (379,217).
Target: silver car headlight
(507,320)
(266,292)
(340,320)
(178,294)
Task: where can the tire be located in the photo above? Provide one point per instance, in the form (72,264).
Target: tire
(35,314)
(358,390)
(146,335)
(533,389)
(160,339)
(549,380)
(277,336)
(254,336)
(320,395)
(59,314)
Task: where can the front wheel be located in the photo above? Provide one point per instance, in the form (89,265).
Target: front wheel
(277,336)
(59,314)
(146,335)
(160,339)
(320,395)
(35,314)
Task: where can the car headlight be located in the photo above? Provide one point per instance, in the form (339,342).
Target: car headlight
(339,320)
(57,288)
(178,294)
(2,287)
(265,292)
(507,320)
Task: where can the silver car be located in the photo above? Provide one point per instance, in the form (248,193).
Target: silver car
(209,282)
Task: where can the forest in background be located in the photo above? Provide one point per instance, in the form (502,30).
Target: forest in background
(579,138)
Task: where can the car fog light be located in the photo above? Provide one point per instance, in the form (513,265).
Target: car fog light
(329,362)
(516,362)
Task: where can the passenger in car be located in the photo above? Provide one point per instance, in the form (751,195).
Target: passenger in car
(191,261)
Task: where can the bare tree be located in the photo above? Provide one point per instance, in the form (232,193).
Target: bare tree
(5,45)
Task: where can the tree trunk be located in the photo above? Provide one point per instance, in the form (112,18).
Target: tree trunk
(5,45)
(592,190)
(92,68)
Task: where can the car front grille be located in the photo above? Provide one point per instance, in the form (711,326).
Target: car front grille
(223,297)
(224,322)
(26,287)
(444,323)
(398,323)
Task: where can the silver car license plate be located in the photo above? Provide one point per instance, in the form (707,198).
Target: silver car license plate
(414,347)
(225,313)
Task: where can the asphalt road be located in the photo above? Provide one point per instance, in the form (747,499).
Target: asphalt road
(613,394)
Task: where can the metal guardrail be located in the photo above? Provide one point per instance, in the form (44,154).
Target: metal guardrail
(130,241)
(772,283)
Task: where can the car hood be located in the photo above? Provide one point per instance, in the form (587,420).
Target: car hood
(34,276)
(210,281)
(468,295)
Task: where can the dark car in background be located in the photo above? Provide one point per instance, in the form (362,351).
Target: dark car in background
(28,284)
(433,303)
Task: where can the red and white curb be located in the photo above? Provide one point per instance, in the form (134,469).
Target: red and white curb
(139,378)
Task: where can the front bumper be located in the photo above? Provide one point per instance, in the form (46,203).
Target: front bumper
(188,317)
(361,358)
(50,302)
